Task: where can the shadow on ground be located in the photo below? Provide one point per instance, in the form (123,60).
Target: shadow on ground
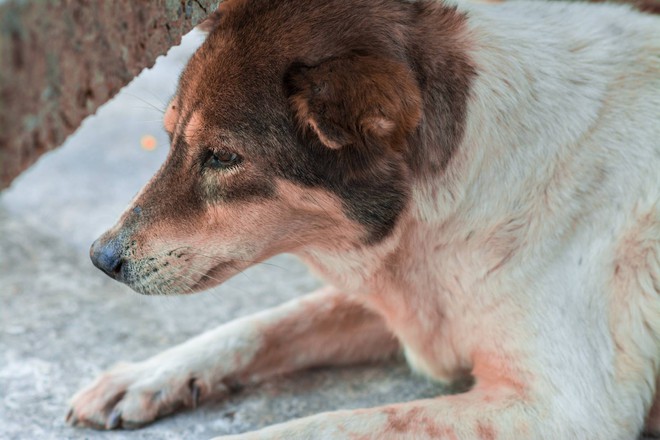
(62,322)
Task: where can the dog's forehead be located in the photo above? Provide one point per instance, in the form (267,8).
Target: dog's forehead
(242,63)
(254,42)
(225,85)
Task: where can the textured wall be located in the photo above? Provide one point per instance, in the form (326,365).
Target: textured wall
(61,59)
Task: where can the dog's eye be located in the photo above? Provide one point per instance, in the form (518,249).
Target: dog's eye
(222,160)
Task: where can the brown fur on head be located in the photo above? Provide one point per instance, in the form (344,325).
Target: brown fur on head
(359,101)
(292,127)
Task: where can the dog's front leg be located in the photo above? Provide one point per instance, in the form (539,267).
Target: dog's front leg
(323,328)
(471,416)
(504,404)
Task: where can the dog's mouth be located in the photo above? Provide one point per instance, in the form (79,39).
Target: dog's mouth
(179,280)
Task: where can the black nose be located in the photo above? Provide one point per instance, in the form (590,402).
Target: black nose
(107,257)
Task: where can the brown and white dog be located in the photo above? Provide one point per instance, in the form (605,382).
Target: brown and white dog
(479,184)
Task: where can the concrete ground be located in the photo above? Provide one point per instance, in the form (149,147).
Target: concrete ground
(62,321)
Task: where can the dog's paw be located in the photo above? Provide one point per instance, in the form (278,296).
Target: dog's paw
(132,395)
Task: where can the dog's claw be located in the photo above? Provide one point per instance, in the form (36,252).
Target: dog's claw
(70,419)
(114,421)
(195,392)
(233,386)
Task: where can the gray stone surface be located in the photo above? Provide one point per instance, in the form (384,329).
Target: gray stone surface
(62,322)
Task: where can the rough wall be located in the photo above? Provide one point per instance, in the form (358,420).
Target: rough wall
(61,59)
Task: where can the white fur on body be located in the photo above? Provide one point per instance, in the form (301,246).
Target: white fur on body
(532,262)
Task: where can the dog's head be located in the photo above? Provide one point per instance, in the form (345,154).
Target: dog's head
(291,129)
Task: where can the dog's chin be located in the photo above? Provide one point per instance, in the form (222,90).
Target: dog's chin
(212,277)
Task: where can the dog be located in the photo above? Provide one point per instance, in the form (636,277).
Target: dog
(479,185)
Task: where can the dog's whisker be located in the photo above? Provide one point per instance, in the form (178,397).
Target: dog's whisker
(223,282)
(151,105)
(242,272)
(224,260)
(191,251)
(151,121)
(162,101)
(188,290)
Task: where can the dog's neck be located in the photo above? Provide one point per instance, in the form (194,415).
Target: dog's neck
(521,112)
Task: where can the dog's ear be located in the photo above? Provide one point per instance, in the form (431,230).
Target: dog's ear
(356,100)
(214,20)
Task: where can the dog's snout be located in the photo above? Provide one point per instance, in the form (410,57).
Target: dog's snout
(107,257)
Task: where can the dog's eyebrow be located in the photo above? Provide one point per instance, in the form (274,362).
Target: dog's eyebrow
(193,126)
(180,131)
